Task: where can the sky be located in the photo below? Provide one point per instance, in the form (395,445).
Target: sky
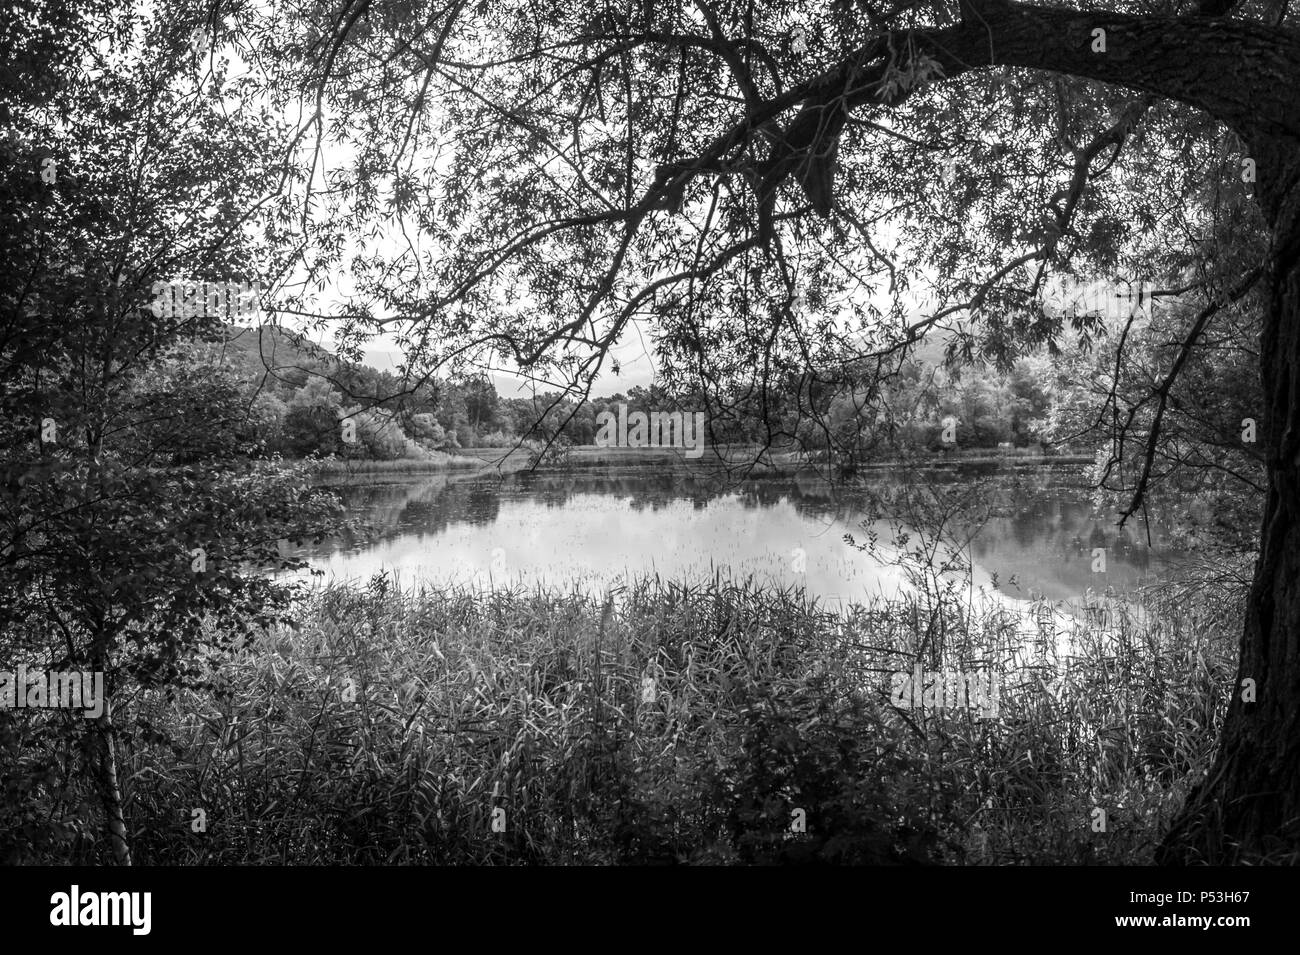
(636,368)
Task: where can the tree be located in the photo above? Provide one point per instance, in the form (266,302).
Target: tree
(1030,388)
(268,414)
(313,422)
(380,435)
(425,429)
(732,172)
(480,403)
(128,497)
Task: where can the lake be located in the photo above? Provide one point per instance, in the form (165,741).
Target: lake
(1035,536)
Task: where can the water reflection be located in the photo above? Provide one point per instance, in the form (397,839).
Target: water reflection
(1033,535)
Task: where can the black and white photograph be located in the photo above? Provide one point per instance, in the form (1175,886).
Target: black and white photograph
(621,434)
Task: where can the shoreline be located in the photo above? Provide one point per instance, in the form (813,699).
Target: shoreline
(592,457)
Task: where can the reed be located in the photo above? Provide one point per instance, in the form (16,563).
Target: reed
(666,723)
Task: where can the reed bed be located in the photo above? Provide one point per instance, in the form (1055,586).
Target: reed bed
(666,724)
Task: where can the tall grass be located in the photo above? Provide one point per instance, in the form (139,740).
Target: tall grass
(668,724)
(436,461)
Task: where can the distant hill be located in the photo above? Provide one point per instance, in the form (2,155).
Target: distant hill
(930,350)
(253,352)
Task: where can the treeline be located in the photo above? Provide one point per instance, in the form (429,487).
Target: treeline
(292,398)
(287,396)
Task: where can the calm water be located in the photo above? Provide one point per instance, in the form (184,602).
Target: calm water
(592,529)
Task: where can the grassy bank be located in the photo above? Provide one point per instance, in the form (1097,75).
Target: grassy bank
(766,462)
(667,725)
(773,463)
(589,456)
(437,461)
(955,460)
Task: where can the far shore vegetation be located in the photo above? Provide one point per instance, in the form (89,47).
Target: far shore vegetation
(304,403)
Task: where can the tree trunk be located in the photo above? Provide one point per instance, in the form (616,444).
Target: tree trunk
(1247,809)
(104,755)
